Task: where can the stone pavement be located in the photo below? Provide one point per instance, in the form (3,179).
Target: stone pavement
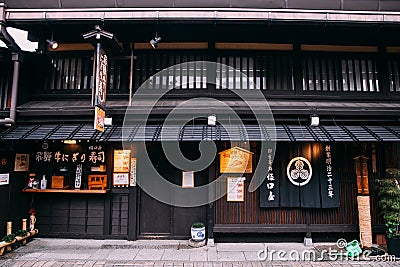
(169,253)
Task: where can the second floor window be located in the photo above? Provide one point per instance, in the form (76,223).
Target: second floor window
(394,74)
(272,72)
(71,73)
(339,74)
(180,76)
(76,74)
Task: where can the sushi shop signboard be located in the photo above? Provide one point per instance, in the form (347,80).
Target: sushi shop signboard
(236,160)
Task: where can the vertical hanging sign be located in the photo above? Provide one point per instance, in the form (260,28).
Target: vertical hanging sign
(133,172)
(100,90)
(101,77)
(78,176)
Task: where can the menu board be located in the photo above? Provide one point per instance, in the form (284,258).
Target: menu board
(120,179)
(235,188)
(121,160)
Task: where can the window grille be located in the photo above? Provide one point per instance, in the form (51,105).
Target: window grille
(394,74)
(181,76)
(71,73)
(264,72)
(339,74)
(76,73)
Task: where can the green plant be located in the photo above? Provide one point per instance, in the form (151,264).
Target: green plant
(389,202)
(21,233)
(198,225)
(8,238)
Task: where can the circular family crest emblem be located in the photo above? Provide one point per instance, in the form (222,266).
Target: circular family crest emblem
(299,171)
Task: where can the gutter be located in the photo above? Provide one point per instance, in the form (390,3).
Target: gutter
(222,14)
(16,58)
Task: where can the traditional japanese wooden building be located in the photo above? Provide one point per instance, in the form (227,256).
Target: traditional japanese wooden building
(335,62)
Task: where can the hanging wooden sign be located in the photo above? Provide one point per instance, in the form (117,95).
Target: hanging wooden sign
(99,116)
(236,160)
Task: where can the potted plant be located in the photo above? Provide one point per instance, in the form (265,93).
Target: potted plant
(389,204)
(198,231)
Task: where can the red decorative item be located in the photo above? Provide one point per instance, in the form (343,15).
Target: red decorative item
(32,211)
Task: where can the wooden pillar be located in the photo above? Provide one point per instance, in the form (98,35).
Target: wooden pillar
(210,208)
(363,201)
(24,228)
(133,201)
(9,232)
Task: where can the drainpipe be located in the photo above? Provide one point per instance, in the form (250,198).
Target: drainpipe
(16,58)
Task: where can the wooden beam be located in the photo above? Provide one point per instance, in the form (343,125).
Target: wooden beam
(67,191)
(254,46)
(339,48)
(393,49)
(284,228)
(162,45)
(72,47)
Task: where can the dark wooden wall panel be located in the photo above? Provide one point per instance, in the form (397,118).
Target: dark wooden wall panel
(119,217)
(68,214)
(249,211)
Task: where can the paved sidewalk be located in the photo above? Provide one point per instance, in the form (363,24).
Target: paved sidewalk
(169,253)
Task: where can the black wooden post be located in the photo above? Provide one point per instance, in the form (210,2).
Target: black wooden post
(107,214)
(383,73)
(210,207)
(132,213)
(133,202)
(297,69)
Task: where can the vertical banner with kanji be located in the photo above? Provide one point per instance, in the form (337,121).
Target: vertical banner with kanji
(329,179)
(101,69)
(133,172)
(100,90)
(269,190)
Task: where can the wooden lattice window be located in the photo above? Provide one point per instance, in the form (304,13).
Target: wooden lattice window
(181,76)
(71,73)
(394,74)
(339,74)
(265,72)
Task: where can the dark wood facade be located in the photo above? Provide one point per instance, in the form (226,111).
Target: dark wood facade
(346,72)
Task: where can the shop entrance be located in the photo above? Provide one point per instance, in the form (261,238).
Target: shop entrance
(160,220)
